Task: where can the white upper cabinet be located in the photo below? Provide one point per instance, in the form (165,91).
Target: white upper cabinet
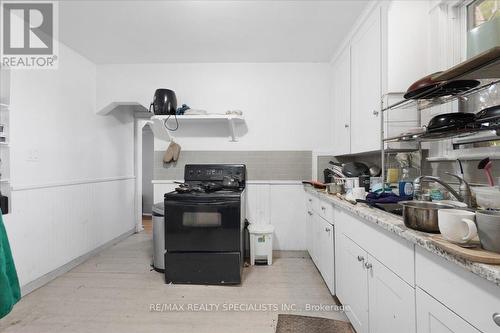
(341,102)
(366,84)
(407,44)
(386,53)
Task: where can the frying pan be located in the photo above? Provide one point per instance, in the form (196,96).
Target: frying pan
(428,88)
(489,115)
(450,121)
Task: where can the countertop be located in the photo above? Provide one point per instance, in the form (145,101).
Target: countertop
(394,224)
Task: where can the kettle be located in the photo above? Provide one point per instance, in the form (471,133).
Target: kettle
(164,102)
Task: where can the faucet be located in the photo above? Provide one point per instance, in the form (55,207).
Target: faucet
(464,196)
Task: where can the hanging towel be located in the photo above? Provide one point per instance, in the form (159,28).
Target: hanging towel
(10,292)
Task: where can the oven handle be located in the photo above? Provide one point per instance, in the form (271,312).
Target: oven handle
(203,203)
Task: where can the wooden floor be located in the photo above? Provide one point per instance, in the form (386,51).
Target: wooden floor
(114,292)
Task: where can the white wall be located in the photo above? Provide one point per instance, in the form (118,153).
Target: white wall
(71,170)
(285,104)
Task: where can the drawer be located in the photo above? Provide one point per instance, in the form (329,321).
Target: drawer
(471,297)
(324,209)
(395,253)
(310,201)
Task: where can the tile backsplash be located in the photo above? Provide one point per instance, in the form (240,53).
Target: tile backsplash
(261,165)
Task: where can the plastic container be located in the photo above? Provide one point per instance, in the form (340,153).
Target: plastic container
(261,243)
(487,197)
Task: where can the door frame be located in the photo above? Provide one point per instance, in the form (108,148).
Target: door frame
(139,125)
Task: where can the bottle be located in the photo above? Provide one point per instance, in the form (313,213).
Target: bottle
(405,184)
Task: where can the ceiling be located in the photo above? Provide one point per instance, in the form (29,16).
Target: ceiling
(206,31)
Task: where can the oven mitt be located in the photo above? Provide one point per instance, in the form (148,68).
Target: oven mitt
(172,153)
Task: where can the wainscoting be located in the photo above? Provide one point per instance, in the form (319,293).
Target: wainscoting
(53,224)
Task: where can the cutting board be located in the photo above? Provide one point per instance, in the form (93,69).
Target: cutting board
(476,254)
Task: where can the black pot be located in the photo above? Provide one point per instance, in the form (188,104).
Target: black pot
(164,102)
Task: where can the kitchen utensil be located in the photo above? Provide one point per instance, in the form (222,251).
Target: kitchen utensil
(164,102)
(334,188)
(422,215)
(375,171)
(450,121)
(489,116)
(488,225)
(355,169)
(315,184)
(420,86)
(472,254)
(457,226)
(486,165)
(487,197)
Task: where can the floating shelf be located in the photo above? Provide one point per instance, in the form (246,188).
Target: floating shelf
(161,131)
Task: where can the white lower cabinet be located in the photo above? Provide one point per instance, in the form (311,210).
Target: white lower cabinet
(378,300)
(391,300)
(434,317)
(320,241)
(352,282)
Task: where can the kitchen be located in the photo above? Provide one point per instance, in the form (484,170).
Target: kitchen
(260,96)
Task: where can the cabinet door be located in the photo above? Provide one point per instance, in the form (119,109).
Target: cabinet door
(341,103)
(327,254)
(316,240)
(366,85)
(391,300)
(352,282)
(309,230)
(434,317)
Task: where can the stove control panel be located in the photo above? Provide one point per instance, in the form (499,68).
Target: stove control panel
(214,172)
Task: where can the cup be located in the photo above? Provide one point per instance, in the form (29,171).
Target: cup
(457,226)
(488,228)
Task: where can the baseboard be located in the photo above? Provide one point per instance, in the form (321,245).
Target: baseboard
(290,254)
(44,279)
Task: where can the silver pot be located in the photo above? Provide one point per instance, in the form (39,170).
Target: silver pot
(422,215)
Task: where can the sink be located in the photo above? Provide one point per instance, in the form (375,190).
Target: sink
(392,208)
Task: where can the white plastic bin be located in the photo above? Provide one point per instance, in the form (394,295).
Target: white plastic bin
(261,243)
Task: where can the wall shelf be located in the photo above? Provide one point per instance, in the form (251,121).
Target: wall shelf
(160,123)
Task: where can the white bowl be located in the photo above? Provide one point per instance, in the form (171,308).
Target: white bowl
(487,197)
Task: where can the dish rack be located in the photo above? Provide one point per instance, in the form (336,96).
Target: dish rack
(486,72)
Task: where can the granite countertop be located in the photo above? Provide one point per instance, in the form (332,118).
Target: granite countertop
(394,224)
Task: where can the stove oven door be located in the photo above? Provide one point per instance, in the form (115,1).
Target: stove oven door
(203,226)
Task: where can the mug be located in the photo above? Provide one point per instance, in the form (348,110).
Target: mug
(457,226)
(488,228)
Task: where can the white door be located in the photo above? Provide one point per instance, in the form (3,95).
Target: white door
(327,254)
(391,300)
(352,282)
(366,85)
(434,317)
(341,103)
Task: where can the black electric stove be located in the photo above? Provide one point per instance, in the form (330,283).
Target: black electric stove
(204,224)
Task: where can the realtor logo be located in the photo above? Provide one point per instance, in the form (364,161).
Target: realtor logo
(28,34)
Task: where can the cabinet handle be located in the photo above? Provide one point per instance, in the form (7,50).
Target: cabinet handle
(496,318)
(361,258)
(375,112)
(346,125)
(328,229)
(323,208)
(310,200)
(309,212)
(368,265)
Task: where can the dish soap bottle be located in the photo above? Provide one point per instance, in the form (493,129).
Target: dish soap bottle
(405,184)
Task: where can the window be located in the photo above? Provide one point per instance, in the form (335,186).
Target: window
(482,11)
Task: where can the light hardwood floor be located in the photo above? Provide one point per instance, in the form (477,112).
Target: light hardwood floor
(113,292)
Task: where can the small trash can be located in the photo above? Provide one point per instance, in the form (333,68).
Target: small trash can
(261,243)
(159,237)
